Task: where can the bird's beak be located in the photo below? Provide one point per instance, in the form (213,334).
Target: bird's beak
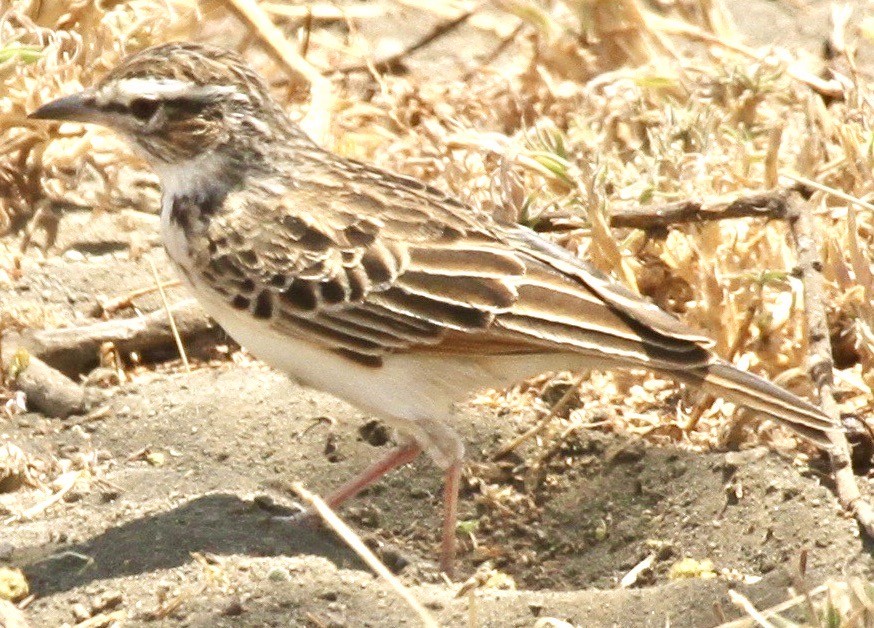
(76,108)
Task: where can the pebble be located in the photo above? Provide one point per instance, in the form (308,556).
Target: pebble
(278,574)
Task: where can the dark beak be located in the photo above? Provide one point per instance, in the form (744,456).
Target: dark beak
(76,108)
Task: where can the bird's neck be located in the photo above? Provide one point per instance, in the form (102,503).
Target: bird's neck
(205,175)
(193,190)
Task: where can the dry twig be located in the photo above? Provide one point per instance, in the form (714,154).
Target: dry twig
(357,545)
(176,338)
(821,363)
(661,215)
(392,62)
(74,350)
(49,391)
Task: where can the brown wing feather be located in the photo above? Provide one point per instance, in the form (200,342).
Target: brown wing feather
(396,266)
(345,269)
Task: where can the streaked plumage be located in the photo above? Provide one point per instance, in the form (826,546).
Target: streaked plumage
(372,286)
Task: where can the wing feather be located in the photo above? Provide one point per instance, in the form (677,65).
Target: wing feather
(396,266)
(391,265)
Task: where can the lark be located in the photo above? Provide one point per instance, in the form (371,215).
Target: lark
(371,286)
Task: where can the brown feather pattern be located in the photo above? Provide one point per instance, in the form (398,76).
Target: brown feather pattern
(395,266)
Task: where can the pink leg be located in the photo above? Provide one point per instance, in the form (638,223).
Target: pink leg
(397,457)
(450,518)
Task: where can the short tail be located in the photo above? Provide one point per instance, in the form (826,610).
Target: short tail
(723,380)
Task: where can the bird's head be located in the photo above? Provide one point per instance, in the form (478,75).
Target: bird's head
(177,102)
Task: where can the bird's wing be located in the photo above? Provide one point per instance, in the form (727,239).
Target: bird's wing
(392,265)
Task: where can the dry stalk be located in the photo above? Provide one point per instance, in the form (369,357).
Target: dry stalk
(65,482)
(821,362)
(630,578)
(741,601)
(830,88)
(775,137)
(816,185)
(175,330)
(323,11)
(393,61)
(543,423)
(777,608)
(737,344)
(104,620)
(536,472)
(110,306)
(357,545)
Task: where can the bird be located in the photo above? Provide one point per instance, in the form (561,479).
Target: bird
(375,287)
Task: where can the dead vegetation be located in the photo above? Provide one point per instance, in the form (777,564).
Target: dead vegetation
(584,112)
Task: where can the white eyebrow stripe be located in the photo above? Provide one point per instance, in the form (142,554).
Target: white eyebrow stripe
(128,90)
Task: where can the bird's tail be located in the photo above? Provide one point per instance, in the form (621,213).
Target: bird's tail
(723,380)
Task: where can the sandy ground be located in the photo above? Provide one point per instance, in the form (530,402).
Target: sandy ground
(176,524)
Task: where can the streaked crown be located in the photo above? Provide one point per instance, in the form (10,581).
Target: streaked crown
(179,101)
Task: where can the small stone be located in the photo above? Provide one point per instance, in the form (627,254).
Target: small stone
(631,451)
(155,458)
(741,458)
(233,609)
(80,613)
(331,450)
(393,559)
(74,256)
(375,433)
(13,584)
(106,601)
(278,574)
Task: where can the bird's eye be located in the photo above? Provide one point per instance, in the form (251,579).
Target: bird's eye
(143,108)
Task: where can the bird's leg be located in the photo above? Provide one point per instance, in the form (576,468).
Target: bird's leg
(397,457)
(450,518)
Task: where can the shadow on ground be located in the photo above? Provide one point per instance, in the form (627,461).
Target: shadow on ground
(220,524)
